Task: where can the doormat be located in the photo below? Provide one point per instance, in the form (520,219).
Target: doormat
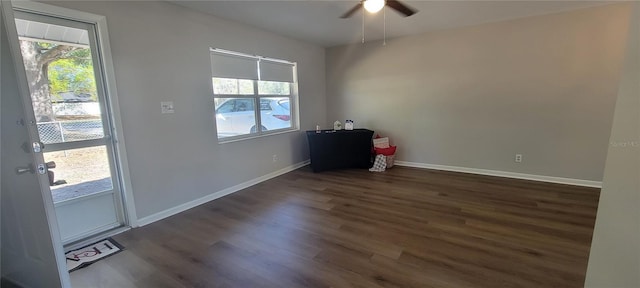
(91,253)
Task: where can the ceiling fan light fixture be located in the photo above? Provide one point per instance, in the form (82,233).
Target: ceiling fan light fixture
(373,6)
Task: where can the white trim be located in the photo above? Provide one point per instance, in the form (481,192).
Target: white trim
(186,206)
(119,143)
(258,135)
(542,178)
(104,47)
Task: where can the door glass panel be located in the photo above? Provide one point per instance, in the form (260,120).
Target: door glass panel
(59,65)
(64,130)
(79,172)
(64,75)
(59,60)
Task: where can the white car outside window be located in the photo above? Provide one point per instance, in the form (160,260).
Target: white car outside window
(236,116)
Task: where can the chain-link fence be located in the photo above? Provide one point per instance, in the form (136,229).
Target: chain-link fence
(67,131)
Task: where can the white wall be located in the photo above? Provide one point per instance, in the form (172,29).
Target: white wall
(615,251)
(161,53)
(473,97)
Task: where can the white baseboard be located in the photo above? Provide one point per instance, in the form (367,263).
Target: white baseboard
(559,180)
(186,206)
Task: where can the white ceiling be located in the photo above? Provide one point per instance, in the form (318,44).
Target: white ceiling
(319,21)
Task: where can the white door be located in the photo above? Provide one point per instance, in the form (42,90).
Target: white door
(32,253)
(69,103)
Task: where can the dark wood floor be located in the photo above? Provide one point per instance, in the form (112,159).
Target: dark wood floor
(402,228)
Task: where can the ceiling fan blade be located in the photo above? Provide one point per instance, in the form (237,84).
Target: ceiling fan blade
(401,8)
(353,10)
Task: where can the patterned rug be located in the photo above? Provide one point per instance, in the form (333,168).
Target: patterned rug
(89,254)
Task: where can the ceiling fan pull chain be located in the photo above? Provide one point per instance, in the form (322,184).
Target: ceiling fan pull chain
(384,25)
(363,24)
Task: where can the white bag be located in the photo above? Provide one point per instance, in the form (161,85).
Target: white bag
(380,164)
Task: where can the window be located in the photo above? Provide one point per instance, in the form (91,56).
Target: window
(253,95)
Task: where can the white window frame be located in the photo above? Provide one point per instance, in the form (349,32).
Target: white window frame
(256,96)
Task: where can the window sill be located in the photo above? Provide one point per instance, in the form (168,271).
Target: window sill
(266,134)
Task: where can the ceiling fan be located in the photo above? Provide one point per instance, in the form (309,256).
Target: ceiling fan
(374,6)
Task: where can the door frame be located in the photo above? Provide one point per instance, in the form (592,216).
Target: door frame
(111,103)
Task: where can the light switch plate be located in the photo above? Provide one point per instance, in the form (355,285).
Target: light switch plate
(167,107)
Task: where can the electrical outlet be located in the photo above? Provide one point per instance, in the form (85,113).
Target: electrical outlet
(275,158)
(518,158)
